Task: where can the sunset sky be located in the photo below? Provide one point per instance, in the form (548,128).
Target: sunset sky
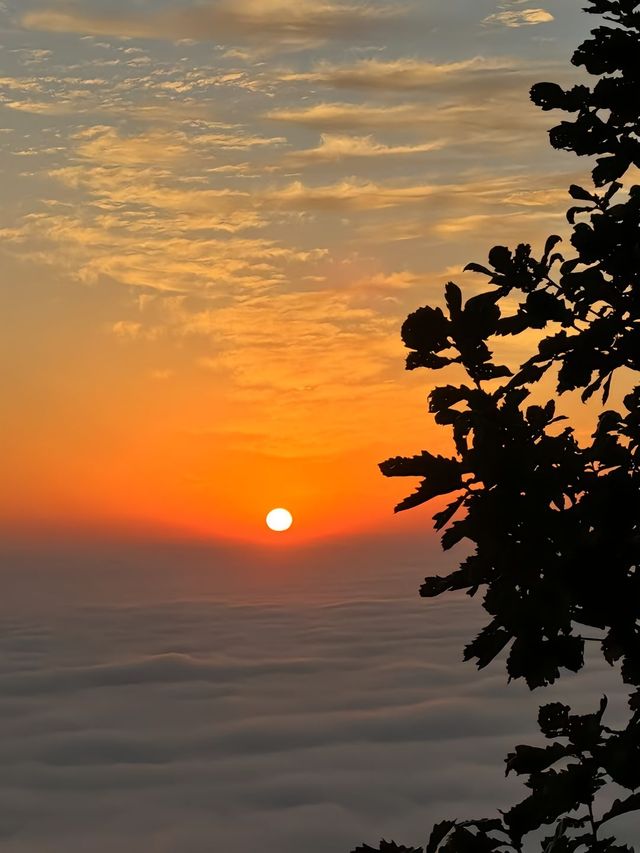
(216,216)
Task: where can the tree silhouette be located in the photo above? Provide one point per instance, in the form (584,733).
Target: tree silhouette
(555,522)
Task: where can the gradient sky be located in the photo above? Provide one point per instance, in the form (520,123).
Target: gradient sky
(216,216)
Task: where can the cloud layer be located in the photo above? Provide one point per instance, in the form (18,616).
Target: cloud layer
(321,711)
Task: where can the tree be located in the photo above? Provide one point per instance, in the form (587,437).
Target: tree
(555,522)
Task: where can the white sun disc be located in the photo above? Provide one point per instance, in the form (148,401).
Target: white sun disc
(279,520)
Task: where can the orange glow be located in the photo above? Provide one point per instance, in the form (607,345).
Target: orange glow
(206,281)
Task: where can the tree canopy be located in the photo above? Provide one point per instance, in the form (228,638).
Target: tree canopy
(554,521)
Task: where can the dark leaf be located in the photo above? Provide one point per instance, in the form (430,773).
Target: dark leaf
(610,168)
(533,759)
(438,834)
(443,517)
(581,194)
(487,645)
(553,720)
(620,807)
(500,259)
(453,298)
(427,329)
(478,268)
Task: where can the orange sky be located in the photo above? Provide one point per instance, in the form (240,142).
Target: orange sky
(208,248)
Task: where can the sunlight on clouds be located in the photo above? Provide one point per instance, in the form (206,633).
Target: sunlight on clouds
(347,195)
(334,147)
(288,23)
(106,146)
(460,124)
(401,74)
(343,116)
(520,17)
(222,233)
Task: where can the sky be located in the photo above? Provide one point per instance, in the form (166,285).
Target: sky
(216,216)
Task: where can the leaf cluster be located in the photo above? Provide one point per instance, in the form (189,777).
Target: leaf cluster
(553,521)
(564,779)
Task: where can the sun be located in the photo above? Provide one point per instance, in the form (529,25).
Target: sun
(279,520)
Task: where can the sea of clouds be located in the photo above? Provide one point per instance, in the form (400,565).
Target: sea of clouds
(179,699)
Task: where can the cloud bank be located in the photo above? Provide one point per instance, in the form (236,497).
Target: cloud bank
(317,711)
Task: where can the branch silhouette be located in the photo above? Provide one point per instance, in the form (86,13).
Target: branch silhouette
(555,522)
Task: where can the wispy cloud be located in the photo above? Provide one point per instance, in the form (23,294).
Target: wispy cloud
(293,23)
(348,195)
(519,17)
(252,217)
(461,123)
(345,116)
(334,147)
(403,74)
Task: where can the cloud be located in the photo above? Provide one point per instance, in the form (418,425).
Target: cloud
(404,74)
(347,195)
(334,147)
(170,668)
(292,23)
(223,705)
(108,146)
(461,122)
(344,116)
(519,18)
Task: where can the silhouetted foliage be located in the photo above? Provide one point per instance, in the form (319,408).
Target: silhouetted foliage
(555,522)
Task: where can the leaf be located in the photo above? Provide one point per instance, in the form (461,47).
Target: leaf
(528,374)
(455,534)
(610,169)
(620,758)
(533,759)
(477,268)
(550,245)
(453,298)
(581,194)
(435,586)
(574,211)
(438,834)
(513,325)
(493,371)
(554,793)
(547,96)
(620,807)
(487,645)
(427,329)
(542,306)
(500,259)
(442,476)
(553,719)
(585,730)
(445,396)
(554,841)
(442,518)
(612,190)
(428,360)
